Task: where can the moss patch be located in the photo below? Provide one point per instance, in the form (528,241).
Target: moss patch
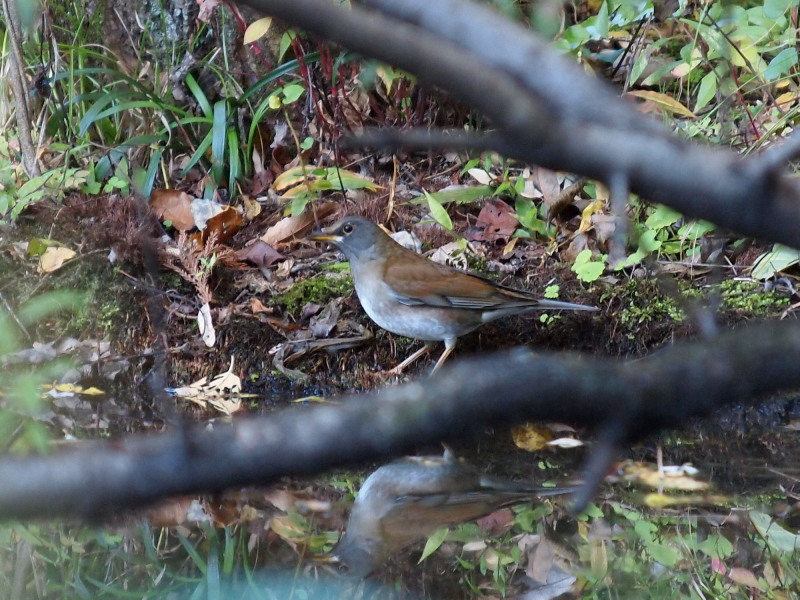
(318,289)
(750,297)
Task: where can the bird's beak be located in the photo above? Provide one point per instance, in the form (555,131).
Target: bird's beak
(324,235)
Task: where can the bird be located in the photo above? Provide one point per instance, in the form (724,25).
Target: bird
(409,295)
(405,501)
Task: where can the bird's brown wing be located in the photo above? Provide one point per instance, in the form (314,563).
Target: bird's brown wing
(424,282)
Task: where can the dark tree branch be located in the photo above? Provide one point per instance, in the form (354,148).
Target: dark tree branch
(685,380)
(553,115)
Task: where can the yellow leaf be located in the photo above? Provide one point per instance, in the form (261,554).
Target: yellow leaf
(92,391)
(596,206)
(509,247)
(257,29)
(530,437)
(786,99)
(668,103)
(53,258)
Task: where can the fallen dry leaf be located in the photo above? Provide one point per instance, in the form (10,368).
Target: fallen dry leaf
(54,258)
(224,225)
(495,222)
(173,206)
(530,437)
(259,253)
(290,227)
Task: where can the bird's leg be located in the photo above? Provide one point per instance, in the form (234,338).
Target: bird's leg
(449,346)
(399,368)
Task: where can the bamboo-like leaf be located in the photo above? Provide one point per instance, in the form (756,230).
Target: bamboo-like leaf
(666,102)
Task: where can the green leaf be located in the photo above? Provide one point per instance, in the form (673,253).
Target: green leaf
(438,211)
(292,92)
(586,269)
(775,535)
(778,259)
(663,216)
(551,292)
(706,91)
(695,229)
(597,27)
(774,9)
(459,194)
(286,42)
(234,164)
(198,94)
(436,539)
(299,203)
(664,554)
(716,546)
(783,62)
(47,304)
(638,67)
(218,138)
(198,154)
(91,115)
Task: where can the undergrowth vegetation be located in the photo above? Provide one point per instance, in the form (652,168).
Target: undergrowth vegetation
(262,135)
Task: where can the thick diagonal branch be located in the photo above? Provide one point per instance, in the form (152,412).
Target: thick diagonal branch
(686,380)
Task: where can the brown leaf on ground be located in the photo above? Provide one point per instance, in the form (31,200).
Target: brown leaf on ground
(259,253)
(224,225)
(549,184)
(540,562)
(174,206)
(290,227)
(496,522)
(495,222)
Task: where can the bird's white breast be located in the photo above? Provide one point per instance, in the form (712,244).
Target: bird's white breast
(418,322)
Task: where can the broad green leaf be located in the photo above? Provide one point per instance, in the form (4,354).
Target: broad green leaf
(716,546)
(774,9)
(778,259)
(647,244)
(459,194)
(775,535)
(292,92)
(706,91)
(586,269)
(348,180)
(436,539)
(597,26)
(696,229)
(785,60)
(33,185)
(286,41)
(663,216)
(337,178)
(664,554)
(299,204)
(438,211)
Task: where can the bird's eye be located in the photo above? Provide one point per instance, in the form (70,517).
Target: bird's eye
(348,228)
